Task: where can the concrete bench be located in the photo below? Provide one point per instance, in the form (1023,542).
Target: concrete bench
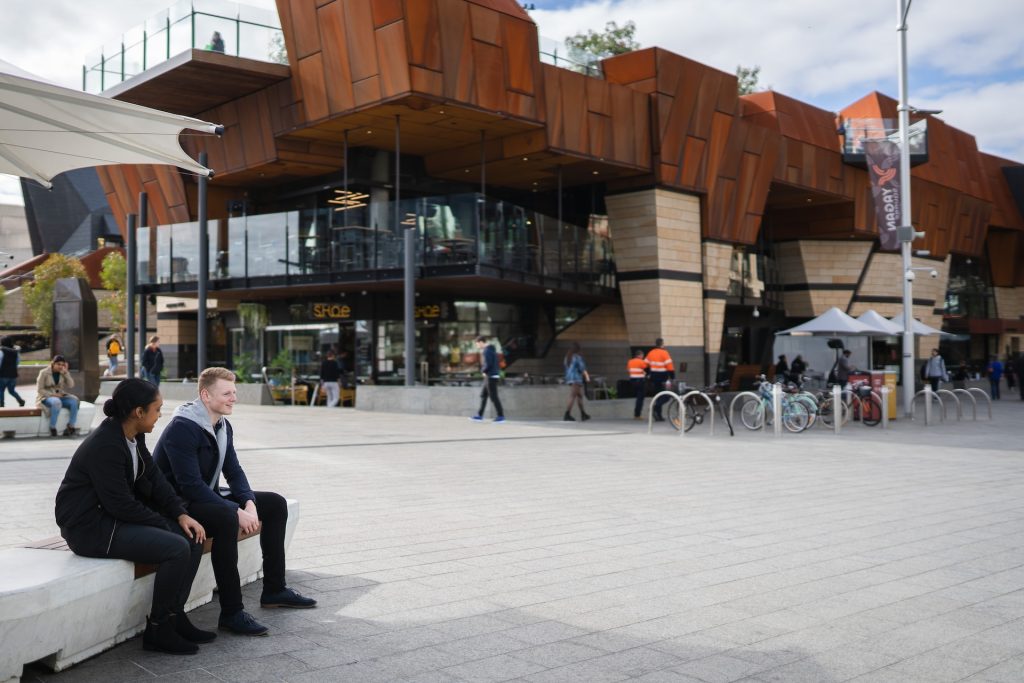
(35,422)
(60,608)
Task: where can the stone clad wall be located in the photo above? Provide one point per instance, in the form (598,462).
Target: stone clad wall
(657,238)
(819,274)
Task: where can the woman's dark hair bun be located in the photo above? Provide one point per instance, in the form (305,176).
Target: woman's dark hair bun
(128,395)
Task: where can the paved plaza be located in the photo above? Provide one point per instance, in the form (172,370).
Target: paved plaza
(445,551)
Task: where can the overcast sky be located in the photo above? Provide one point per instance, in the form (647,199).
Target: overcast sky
(965,58)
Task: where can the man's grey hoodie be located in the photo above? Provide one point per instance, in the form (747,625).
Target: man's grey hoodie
(193,453)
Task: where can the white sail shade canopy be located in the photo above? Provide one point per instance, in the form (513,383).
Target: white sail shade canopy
(46,129)
(920,329)
(876,320)
(834,322)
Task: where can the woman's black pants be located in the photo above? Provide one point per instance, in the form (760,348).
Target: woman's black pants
(221,524)
(177,559)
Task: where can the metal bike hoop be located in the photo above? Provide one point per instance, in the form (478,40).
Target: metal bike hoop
(711,409)
(650,410)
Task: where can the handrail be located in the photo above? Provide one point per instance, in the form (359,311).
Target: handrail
(711,409)
(959,408)
(974,403)
(987,398)
(650,409)
(732,404)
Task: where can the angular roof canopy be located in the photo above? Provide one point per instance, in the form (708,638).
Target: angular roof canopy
(876,320)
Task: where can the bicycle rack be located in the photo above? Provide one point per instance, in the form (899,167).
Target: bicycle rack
(929,395)
(974,403)
(959,408)
(711,409)
(987,398)
(777,410)
(838,409)
(732,405)
(682,410)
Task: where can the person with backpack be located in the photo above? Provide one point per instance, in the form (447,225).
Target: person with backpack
(113,351)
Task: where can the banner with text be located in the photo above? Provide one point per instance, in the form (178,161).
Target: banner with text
(883,160)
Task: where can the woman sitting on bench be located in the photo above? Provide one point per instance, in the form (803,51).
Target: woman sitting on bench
(114,502)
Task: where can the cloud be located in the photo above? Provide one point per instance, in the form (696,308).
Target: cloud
(831,54)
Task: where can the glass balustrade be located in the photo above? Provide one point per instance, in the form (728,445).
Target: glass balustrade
(216,25)
(452,231)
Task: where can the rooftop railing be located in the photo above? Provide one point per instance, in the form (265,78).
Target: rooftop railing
(216,25)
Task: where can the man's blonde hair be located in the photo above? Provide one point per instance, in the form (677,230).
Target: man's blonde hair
(209,377)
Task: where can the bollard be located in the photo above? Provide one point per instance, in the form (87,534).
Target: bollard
(777,409)
(837,408)
(927,405)
(885,407)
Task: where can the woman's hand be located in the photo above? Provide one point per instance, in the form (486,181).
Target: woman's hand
(192,528)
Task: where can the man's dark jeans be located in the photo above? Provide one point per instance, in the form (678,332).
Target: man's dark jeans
(7,385)
(490,389)
(639,389)
(176,556)
(221,523)
(658,379)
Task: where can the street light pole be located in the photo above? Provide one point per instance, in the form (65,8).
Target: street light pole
(907,231)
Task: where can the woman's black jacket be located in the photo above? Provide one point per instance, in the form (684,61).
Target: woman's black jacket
(98,492)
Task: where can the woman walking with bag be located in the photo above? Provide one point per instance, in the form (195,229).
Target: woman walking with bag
(114,502)
(575,375)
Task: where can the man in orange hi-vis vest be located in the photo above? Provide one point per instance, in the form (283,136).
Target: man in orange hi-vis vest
(637,368)
(662,370)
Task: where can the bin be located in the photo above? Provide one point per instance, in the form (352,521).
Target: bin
(881,379)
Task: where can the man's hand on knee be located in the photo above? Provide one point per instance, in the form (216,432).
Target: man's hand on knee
(248,520)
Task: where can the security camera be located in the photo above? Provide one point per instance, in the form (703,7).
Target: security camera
(934,273)
(909,276)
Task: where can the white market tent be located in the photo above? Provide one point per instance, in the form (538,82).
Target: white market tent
(46,129)
(834,323)
(920,329)
(878,321)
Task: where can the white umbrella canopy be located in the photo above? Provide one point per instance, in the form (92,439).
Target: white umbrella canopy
(833,322)
(876,320)
(46,129)
(920,329)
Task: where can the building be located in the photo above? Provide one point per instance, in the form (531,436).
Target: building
(548,206)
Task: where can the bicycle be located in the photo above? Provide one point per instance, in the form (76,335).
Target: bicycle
(795,414)
(697,409)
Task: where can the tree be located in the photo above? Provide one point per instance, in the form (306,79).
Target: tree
(746,79)
(39,292)
(587,48)
(114,276)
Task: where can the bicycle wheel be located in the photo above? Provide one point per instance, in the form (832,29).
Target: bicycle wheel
(827,413)
(795,417)
(871,411)
(812,407)
(694,414)
(752,414)
(672,410)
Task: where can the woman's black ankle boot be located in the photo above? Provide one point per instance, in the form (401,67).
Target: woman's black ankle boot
(187,630)
(161,636)
(568,418)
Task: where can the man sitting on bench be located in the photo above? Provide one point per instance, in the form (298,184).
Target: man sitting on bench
(53,387)
(193,451)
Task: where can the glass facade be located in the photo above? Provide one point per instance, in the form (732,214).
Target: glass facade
(357,234)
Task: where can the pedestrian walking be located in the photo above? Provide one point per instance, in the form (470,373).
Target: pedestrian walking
(797,369)
(935,370)
(782,368)
(637,368)
(9,371)
(1010,373)
(662,371)
(995,374)
(152,362)
(491,371)
(576,376)
(330,375)
(113,351)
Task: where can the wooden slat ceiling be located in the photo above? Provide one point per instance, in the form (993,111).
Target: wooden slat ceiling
(182,84)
